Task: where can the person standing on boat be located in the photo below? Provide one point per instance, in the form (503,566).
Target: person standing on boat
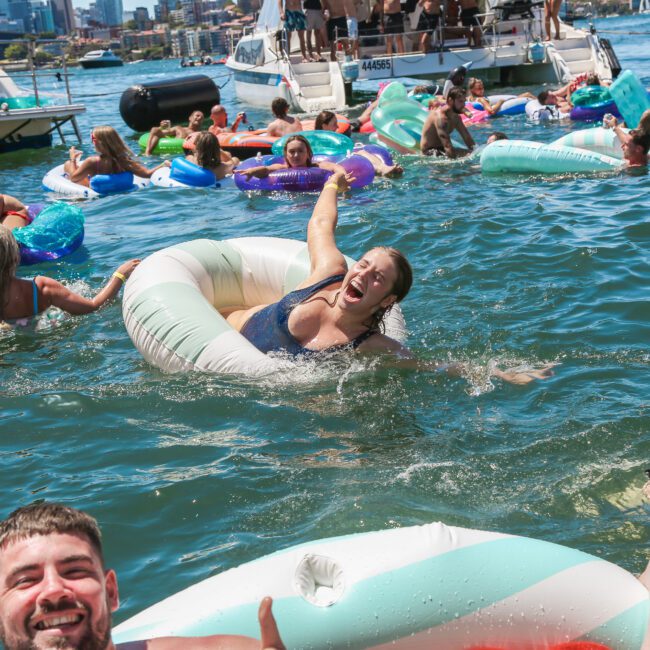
(316,26)
(283,122)
(428,22)
(337,24)
(552,12)
(469,12)
(439,125)
(294,21)
(392,26)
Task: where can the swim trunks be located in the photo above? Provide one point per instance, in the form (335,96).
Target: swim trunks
(315,18)
(294,21)
(353,27)
(428,23)
(434,151)
(394,23)
(337,27)
(467,17)
(268,329)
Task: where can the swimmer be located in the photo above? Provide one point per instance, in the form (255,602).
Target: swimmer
(635,150)
(551,98)
(166,130)
(497,135)
(219,118)
(339,308)
(26,298)
(439,125)
(13,214)
(57,593)
(326,121)
(477,95)
(642,129)
(114,157)
(207,154)
(283,122)
(297,154)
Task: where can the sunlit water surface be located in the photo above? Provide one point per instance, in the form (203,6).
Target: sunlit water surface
(190,475)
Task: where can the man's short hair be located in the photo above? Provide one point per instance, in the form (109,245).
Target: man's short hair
(542,97)
(498,135)
(456,93)
(279,106)
(43,518)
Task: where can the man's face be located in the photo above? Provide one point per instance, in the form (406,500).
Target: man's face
(196,119)
(220,118)
(458,104)
(551,99)
(54,593)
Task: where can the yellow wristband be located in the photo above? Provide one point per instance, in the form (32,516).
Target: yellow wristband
(119,276)
(334,185)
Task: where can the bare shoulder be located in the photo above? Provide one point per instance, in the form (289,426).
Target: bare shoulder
(380,343)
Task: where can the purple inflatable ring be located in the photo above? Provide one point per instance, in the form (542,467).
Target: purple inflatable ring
(302,179)
(593,113)
(378,150)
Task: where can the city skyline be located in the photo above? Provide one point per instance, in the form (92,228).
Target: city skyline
(128,5)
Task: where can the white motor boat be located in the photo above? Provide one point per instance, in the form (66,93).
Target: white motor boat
(100,59)
(512,53)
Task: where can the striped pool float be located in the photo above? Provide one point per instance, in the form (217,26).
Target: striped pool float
(432,587)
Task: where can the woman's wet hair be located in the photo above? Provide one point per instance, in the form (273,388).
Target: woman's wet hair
(324,117)
(207,150)
(9,260)
(593,79)
(111,145)
(298,138)
(400,288)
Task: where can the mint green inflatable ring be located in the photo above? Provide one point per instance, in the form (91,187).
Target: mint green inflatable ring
(323,143)
(164,146)
(394,91)
(590,96)
(631,98)
(399,124)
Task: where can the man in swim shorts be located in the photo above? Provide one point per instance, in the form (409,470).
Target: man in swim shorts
(468,17)
(55,591)
(284,123)
(316,25)
(337,23)
(428,22)
(392,25)
(294,21)
(441,122)
(166,130)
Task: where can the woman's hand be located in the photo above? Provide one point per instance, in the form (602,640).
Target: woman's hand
(128,267)
(521,378)
(74,154)
(258,172)
(342,179)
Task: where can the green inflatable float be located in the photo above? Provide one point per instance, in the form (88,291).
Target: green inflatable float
(399,124)
(164,146)
(323,143)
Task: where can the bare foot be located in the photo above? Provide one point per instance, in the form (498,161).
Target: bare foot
(393,171)
(521,378)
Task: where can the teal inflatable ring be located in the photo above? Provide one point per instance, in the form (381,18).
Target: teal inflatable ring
(400,122)
(324,143)
(164,146)
(591,96)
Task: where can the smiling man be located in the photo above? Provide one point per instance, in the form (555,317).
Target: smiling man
(56,593)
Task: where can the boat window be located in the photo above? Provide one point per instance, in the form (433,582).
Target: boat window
(250,52)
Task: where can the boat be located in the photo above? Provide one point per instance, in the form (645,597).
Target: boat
(513,53)
(28,117)
(100,59)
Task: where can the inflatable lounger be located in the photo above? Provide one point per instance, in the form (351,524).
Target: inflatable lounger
(58,181)
(171,300)
(432,587)
(523,156)
(599,140)
(631,98)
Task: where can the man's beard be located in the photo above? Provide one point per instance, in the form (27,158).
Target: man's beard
(459,112)
(98,639)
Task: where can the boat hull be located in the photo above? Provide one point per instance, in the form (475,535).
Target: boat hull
(88,65)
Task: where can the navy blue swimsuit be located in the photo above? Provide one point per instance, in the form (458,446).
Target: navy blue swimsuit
(268,329)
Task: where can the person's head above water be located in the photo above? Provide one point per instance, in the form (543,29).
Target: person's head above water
(547,98)
(593,79)
(56,592)
(326,121)
(107,142)
(297,151)
(635,150)
(476,87)
(207,150)
(9,260)
(195,120)
(497,135)
(456,99)
(381,278)
(219,115)
(279,107)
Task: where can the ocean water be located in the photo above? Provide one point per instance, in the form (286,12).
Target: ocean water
(190,475)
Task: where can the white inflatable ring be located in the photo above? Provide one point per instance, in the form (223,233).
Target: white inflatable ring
(432,587)
(57,180)
(598,140)
(171,300)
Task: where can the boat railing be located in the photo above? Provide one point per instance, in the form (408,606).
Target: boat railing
(33,74)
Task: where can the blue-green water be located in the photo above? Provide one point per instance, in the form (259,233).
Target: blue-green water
(190,475)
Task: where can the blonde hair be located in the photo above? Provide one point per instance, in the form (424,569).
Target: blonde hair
(112,147)
(9,259)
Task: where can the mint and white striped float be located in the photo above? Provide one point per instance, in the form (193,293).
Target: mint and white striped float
(599,140)
(171,300)
(434,587)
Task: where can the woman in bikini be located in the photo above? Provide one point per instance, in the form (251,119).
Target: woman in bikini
(207,154)
(113,157)
(13,214)
(339,308)
(26,298)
